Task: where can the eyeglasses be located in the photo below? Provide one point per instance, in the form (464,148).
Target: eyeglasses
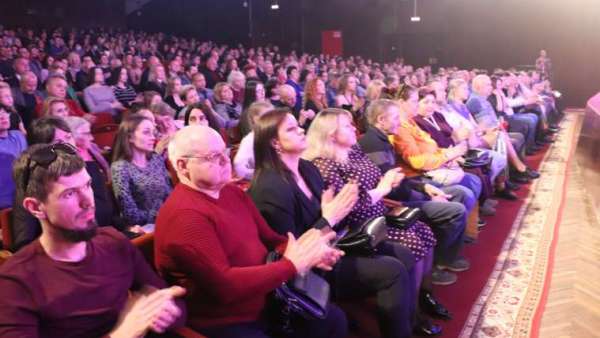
(43,157)
(214,158)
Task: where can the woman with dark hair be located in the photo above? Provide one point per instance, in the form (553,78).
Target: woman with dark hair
(200,114)
(254,92)
(290,194)
(98,97)
(124,92)
(139,176)
(271,90)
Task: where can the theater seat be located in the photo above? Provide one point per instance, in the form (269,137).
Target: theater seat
(104,135)
(5,219)
(146,245)
(102,119)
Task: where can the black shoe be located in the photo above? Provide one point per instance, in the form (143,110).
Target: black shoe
(545,140)
(532,173)
(530,152)
(481,224)
(521,178)
(507,195)
(469,240)
(511,185)
(432,307)
(425,328)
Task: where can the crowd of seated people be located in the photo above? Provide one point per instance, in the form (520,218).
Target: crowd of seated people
(322,144)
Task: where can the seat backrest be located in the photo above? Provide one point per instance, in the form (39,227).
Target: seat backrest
(145,243)
(103,118)
(104,135)
(5,219)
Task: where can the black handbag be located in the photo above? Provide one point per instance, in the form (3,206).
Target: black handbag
(366,238)
(307,296)
(476,158)
(402,217)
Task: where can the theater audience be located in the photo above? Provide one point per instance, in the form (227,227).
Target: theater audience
(221,254)
(210,237)
(525,123)
(465,128)
(290,194)
(80,281)
(140,180)
(442,207)
(484,114)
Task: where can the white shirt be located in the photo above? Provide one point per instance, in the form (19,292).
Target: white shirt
(243,162)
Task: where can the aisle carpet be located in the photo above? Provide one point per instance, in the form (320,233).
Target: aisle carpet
(503,292)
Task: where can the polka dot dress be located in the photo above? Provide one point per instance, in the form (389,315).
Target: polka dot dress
(419,238)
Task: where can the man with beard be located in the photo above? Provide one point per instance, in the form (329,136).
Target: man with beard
(75,280)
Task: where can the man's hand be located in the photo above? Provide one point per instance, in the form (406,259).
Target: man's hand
(436,193)
(310,250)
(154,311)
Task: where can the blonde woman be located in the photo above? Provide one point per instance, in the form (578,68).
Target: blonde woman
(173,97)
(226,108)
(333,149)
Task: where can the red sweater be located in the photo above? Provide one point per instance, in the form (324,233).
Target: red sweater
(216,248)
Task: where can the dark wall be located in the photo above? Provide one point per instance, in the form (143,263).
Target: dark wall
(466,33)
(65,13)
(474,33)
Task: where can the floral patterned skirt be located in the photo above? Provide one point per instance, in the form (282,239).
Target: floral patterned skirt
(418,238)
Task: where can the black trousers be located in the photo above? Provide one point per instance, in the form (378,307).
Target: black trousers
(387,276)
(334,325)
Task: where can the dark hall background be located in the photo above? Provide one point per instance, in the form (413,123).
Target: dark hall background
(465,33)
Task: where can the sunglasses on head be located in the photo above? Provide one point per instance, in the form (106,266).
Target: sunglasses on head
(45,156)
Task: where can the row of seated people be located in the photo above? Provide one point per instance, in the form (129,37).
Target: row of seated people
(420,131)
(285,138)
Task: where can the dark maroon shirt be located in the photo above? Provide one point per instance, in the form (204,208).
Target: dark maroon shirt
(41,297)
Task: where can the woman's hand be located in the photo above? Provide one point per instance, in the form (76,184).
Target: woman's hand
(390,180)
(334,209)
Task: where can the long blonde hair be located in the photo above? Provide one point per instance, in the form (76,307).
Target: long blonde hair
(319,136)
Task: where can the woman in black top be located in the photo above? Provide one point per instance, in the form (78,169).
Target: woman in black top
(254,92)
(124,92)
(289,193)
